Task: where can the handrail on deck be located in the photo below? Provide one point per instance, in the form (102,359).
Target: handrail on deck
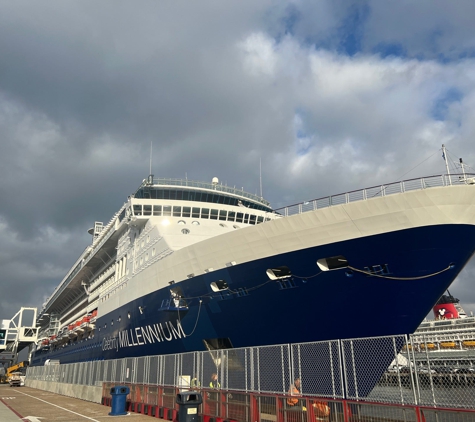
(378,191)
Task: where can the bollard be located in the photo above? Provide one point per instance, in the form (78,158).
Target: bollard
(188,403)
(119,397)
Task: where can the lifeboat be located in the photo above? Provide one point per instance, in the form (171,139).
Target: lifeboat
(45,342)
(77,326)
(448,344)
(429,346)
(53,339)
(469,343)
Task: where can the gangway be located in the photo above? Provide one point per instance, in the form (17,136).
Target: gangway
(16,334)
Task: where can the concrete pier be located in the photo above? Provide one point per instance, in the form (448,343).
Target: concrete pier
(33,405)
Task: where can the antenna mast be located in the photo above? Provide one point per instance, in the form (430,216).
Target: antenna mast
(260,175)
(444,156)
(150,172)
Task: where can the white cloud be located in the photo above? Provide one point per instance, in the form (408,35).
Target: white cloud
(260,56)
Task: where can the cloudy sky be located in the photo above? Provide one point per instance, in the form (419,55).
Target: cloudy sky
(330,95)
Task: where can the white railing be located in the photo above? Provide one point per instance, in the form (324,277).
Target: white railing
(378,191)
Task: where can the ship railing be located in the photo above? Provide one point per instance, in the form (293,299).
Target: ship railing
(204,185)
(378,191)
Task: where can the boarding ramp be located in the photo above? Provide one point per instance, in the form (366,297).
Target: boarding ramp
(16,334)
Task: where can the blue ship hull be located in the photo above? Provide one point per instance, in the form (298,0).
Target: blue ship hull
(309,306)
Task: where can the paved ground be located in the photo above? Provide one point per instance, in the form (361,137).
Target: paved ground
(31,405)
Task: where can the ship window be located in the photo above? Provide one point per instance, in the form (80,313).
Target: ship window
(239,217)
(195,223)
(222,225)
(157,210)
(332,263)
(167,210)
(246,218)
(128,315)
(236,226)
(260,219)
(205,213)
(147,210)
(196,212)
(176,211)
(112,322)
(186,211)
(231,216)
(181,222)
(119,319)
(185,231)
(222,215)
(146,256)
(137,209)
(214,215)
(153,252)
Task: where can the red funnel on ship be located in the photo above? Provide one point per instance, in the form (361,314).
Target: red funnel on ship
(448,307)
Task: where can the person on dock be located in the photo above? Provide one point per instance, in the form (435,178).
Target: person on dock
(214,383)
(294,390)
(320,409)
(195,383)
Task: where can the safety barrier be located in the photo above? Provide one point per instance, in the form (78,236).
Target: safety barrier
(221,406)
(385,370)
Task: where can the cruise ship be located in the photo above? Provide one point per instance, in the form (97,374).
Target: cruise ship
(446,341)
(194,266)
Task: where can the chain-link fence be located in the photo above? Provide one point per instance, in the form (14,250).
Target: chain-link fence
(384,369)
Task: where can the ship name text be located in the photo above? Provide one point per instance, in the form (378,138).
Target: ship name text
(147,334)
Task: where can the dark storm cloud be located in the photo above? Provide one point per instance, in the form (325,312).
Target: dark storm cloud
(85,87)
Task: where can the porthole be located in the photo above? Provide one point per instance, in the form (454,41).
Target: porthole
(153,252)
(105,326)
(196,223)
(112,322)
(181,222)
(128,315)
(119,319)
(185,231)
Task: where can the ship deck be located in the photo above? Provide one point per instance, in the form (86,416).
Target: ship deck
(30,404)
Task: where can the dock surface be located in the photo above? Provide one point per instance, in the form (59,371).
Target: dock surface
(31,405)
